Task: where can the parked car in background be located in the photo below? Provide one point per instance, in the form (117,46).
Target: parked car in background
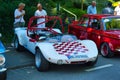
(2,62)
(104,30)
(50,45)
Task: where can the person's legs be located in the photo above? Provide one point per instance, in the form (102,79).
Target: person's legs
(12,44)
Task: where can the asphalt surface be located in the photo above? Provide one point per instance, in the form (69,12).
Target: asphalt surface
(21,67)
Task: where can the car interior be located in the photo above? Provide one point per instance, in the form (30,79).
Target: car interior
(95,25)
(36,33)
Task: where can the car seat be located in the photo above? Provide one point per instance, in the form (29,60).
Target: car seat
(95,25)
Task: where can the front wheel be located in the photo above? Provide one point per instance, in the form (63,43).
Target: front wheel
(3,75)
(106,51)
(40,62)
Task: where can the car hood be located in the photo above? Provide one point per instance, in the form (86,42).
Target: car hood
(113,33)
(68,49)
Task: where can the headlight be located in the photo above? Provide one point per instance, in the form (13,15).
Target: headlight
(2,60)
(60,62)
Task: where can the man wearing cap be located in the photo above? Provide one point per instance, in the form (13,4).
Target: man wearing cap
(117,10)
(40,12)
(19,16)
(92,8)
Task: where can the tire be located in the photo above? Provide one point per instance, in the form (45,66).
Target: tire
(92,63)
(17,45)
(40,62)
(3,75)
(106,51)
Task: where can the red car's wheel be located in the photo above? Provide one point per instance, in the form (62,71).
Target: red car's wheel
(106,51)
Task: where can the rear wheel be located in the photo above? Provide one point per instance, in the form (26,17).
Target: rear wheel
(17,45)
(40,62)
(106,51)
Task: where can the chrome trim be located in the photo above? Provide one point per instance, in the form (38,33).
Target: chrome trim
(3,70)
(118,50)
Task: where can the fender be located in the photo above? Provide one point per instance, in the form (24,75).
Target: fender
(21,34)
(45,56)
(2,48)
(111,46)
(107,40)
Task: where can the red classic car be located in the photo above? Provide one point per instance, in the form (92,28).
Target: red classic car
(104,30)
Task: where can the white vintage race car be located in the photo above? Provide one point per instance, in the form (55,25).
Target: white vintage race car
(49,45)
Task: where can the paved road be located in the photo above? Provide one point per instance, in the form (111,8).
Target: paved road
(21,67)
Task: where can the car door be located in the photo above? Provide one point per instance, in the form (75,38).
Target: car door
(31,42)
(94,30)
(80,29)
(31,45)
(84,23)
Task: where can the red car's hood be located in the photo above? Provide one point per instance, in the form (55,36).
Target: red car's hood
(113,33)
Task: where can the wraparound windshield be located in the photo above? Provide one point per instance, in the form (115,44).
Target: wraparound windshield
(62,38)
(111,23)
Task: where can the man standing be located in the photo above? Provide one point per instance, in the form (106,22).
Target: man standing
(92,8)
(40,12)
(117,10)
(19,16)
(108,9)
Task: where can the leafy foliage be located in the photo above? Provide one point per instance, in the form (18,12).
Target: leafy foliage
(113,24)
(7,8)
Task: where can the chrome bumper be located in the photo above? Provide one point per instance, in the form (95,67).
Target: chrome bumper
(118,50)
(3,70)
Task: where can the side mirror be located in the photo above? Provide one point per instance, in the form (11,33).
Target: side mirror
(0,35)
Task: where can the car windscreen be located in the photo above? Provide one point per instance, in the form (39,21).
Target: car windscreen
(111,23)
(61,38)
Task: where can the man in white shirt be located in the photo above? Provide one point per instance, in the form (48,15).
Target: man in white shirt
(19,16)
(40,12)
(117,10)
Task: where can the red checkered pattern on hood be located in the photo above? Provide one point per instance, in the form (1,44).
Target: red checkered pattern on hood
(68,48)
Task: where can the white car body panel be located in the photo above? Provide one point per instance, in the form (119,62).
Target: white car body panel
(51,54)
